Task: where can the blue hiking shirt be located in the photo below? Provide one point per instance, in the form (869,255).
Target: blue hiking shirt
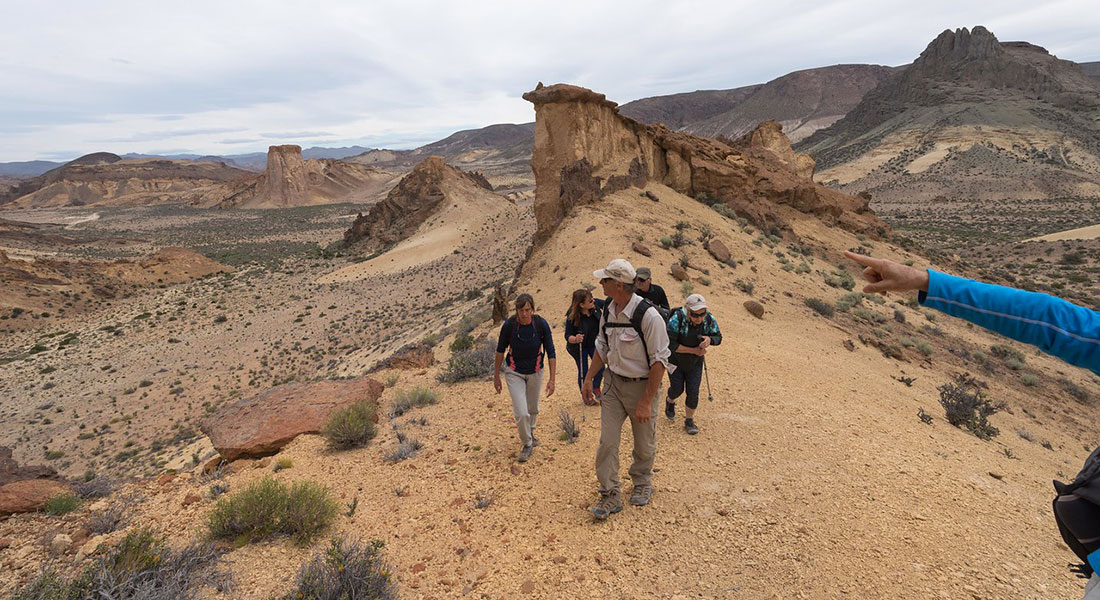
(1056,326)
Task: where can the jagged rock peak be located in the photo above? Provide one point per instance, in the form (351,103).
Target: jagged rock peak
(963,45)
(769,136)
(415,198)
(286,182)
(563,92)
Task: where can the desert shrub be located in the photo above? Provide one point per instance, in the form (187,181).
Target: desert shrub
(407,400)
(345,569)
(899,316)
(140,566)
(847,301)
(666,241)
(221,319)
(106,521)
(95,487)
(406,449)
(1073,258)
(723,209)
(351,427)
(1079,393)
(906,341)
(63,503)
(868,316)
(468,364)
(1025,434)
(686,287)
(924,348)
(840,278)
(569,429)
(1006,353)
(462,341)
(283,464)
(705,281)
(966,407)
(820,307)
(392,379)
(269,507)
(1014,364)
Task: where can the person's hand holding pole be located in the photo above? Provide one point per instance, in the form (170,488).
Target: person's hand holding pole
(888,276)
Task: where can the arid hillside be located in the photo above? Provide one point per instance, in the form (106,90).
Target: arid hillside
(825,467)
(971,119)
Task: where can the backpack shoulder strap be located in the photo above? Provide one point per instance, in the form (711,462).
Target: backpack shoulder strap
(636,321)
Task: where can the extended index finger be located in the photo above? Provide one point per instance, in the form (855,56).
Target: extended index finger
(867,261)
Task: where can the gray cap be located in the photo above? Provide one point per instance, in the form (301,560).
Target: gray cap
(644,273)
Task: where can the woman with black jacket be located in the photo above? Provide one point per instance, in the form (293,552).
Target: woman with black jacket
(582,324)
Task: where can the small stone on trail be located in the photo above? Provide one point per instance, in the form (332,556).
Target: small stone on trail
(60,544)
(590,229)
(678,273)
(515,470)
(996,475)
(651,196)
(850,345)
(5,543)
(191,498)
(527,587)
(640,249)
(754,308)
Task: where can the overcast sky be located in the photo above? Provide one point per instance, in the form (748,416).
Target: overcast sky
(233,77)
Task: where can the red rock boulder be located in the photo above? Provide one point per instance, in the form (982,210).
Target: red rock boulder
(263,424)
(28,495)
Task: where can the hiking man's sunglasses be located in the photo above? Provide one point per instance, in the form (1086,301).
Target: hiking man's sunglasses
(698,315)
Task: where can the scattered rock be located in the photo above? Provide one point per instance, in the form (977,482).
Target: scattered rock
(719,251)
(850,345)
(80,535)
(559,560)
(5,543)
(191,498)
(417,355)
(528,587)
(165,478)
(418,567)
(263,424)
(754,308)
(590,229)
(60,544)
(640,249)
(11,471)
(264,463)
(28,495)
(651,196)
(678,273)
(996,475)
(515,470)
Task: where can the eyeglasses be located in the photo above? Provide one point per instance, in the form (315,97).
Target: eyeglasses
(698,315)
(605,280)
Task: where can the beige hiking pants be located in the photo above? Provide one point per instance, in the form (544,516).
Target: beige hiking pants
(616,406)
(524,390)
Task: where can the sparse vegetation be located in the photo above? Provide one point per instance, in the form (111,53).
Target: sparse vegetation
(820,307)
(407,448)
(966,407)
(269,507)
(60,504)
(407,400)
(473,363)
(569,429)
(351,427)
(345,570)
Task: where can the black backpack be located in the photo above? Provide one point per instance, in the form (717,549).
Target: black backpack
(1079,516)
(644,304)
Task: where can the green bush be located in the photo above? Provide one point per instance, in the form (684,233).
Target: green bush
(821,307)
(966,407)
(60,504)
(1006,353)
(924,347)
(139,566)
(462,341)
(468,364)
(666,242)
(351,427)
(840,278)
(407,400)
(268,507)
(847,301)
(345,570)
(1029,379)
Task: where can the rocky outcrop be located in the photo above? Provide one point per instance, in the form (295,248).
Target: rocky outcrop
(418,355)
(585,150)
(286,182)
(263,424)
(416,197)
(28,495)
(11,471)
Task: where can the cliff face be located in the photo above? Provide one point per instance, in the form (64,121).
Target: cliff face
(415,198)
(286,181)
(584,150)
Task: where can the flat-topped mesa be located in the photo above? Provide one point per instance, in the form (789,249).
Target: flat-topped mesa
(585,150)
(415,198)
(286,181)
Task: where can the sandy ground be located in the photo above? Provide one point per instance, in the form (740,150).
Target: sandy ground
(812,476)
(1082,233)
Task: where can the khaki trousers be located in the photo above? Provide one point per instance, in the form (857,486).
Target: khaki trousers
(524,390)
(617,404)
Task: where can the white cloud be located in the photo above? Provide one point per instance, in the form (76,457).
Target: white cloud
(110,75)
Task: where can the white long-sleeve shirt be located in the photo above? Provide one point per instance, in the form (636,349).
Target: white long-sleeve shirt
(622,351)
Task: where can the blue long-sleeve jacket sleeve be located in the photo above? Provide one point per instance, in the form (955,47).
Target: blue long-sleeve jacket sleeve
(1055,326)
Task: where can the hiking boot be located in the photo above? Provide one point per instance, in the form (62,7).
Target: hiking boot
(525,454)
(641,495)
(690,427)
(609,504)
(670,410)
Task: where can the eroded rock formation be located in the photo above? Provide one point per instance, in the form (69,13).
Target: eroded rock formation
(286,182)
(585,150)
(417,197)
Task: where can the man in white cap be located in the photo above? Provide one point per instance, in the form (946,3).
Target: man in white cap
(635,350)
(691,330)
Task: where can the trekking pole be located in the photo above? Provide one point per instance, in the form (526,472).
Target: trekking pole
(710,396)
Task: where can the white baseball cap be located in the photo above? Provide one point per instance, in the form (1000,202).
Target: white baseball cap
(619,269)
(695,303)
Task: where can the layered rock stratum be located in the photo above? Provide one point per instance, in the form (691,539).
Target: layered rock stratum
(585,150)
